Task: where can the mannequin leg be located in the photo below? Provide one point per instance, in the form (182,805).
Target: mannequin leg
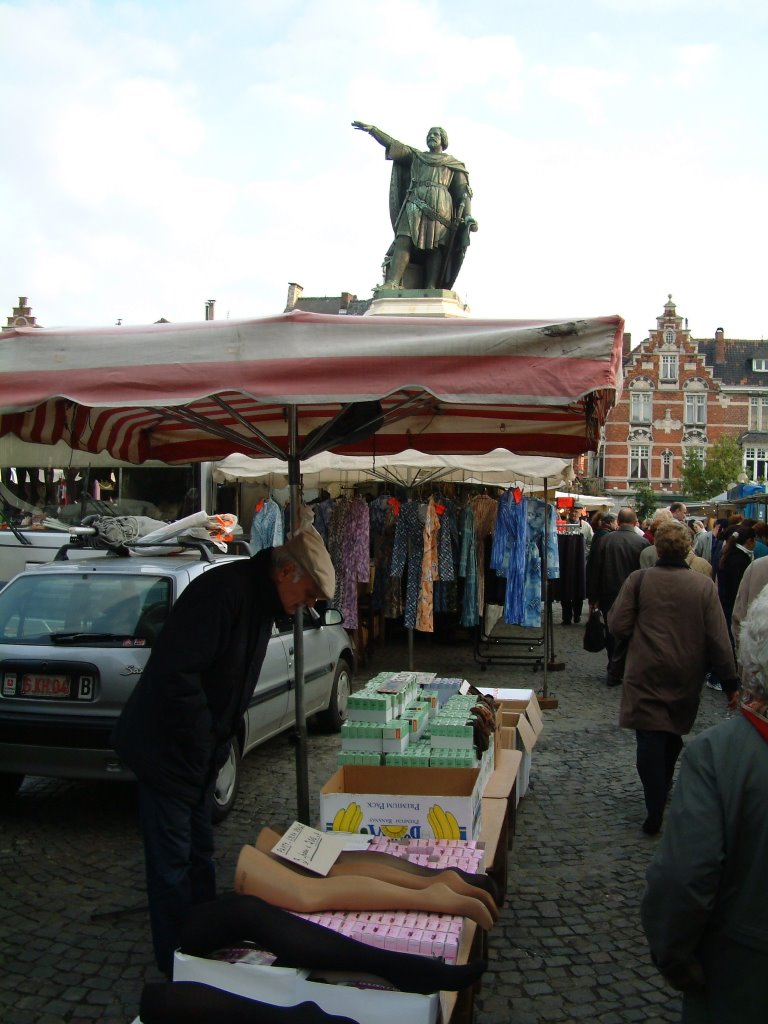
(258,874)
(267,838)
(389,873)
(298,943)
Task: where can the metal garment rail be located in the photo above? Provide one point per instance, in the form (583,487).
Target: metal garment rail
(538,644)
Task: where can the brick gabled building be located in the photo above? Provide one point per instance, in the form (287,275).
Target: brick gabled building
(680,394)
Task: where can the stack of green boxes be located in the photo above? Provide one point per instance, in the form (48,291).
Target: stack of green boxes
(397,720)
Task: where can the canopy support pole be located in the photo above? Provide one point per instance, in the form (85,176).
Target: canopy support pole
(545,582)
(302,761)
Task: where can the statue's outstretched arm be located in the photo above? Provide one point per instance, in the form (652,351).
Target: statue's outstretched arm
(381,137)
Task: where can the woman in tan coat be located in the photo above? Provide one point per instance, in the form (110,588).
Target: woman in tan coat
(676,630)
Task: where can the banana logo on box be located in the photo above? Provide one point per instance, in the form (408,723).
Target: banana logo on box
(394,831)
(443,823)
(348,819)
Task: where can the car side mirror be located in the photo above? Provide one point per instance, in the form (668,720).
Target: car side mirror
(332,617)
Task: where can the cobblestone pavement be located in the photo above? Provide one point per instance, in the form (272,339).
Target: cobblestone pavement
(568,946)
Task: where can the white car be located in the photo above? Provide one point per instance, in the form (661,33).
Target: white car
(74,639)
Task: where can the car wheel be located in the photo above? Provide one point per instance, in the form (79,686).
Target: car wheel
(227,783)
(10,783)
(332,719)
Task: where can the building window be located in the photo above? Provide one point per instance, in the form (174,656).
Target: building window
(666,466)
(639,457)
(669,337)
(668,369)
(760,365)
(756,463)
(694,451)
(696,408)
(758,412)
(640,407)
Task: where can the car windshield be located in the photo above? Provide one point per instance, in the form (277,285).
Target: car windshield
(83,607)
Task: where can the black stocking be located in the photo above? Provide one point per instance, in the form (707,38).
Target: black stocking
(295,942)
(189,1002)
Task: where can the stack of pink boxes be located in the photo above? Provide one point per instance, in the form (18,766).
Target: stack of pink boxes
(435,935)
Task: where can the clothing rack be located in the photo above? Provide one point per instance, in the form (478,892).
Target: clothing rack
(489,649)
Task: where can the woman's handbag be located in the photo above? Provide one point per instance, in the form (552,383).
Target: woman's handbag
(594,633)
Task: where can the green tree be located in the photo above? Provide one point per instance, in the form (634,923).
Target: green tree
(722,467)
(694,479)
(645,502)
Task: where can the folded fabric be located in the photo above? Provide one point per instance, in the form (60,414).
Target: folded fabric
(233,919)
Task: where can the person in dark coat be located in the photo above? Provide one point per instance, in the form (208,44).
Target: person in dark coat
(176,728)
(675,630)
(705,907)
(736,556)
(610,561)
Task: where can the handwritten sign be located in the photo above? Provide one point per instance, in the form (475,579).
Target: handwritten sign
(316,851)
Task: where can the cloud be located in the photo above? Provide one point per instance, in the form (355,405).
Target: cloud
(583,87)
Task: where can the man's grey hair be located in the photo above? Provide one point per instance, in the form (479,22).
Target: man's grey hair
(753,647)
(661,515)
(281,557)
(627,516)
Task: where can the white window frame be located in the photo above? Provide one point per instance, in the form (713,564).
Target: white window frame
(669,336)
(760,365)
(698,449)
(695,409)
(758,412)
(640,406)
(755,462)
(666,466)
(639,461)
(671,362)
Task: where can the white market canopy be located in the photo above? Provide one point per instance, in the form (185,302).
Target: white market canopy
(201,391)
(408,469)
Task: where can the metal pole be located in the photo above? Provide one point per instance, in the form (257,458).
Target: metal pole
(545,580)
(302,762)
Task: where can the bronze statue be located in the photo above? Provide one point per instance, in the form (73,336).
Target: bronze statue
(429,205)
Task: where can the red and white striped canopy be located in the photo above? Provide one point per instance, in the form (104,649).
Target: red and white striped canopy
(192,392)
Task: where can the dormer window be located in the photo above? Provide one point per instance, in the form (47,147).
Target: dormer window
(760,365)
(668,369)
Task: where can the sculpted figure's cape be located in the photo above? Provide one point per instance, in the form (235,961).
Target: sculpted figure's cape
(399,184)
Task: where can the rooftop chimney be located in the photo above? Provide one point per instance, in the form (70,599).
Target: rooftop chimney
(295,291)
(346,299)
(719,345)
(209,304)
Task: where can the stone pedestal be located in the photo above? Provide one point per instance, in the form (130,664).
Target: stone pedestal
(416,302)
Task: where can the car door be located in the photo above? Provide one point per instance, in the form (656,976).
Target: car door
(318,666)
(268,707)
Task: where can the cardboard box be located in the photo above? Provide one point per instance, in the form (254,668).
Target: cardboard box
(526,738)
(288,986)
(405,799)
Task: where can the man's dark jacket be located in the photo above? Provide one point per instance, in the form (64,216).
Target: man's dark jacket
(610,562)
(175,729)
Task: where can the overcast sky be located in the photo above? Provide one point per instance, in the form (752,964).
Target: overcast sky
(158,154)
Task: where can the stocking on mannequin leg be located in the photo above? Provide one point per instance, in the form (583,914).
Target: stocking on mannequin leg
(189,1002)
(391,872)
(267,838)
(298,943)
(258,874)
